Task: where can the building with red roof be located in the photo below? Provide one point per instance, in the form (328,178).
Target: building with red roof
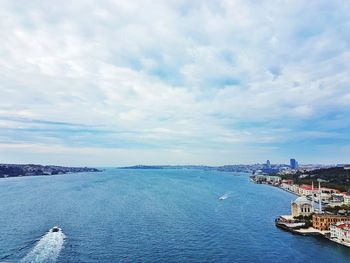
(305,189)
(340,231)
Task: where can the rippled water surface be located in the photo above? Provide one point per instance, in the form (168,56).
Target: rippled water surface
(151,216)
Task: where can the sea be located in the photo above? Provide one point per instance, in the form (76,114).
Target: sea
(151,215)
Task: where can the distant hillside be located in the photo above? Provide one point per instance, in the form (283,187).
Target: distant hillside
(142,167)
(224,168)
(331,173)
(13,170)
(335,177)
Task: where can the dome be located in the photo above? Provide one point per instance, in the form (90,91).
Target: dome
(302,200)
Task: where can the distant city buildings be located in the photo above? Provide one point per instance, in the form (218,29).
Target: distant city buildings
(268,164)
(266,167)
(294,164)
(269,168)
(267,179)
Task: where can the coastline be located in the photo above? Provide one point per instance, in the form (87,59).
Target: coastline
(286,190)
(26,170)
(46,175)
(303,232)
(338,242)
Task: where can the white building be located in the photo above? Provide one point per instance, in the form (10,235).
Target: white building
(273,179)
(305,189)
(341,231)
(346,199)
(294,188)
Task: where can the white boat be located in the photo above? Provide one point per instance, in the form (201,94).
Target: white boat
(223,197)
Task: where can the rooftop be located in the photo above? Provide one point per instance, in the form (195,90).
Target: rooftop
(302,200)
(331,215)
(344,225)
(306,187)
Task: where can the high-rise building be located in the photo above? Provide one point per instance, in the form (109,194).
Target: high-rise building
(293,164)
(268,164)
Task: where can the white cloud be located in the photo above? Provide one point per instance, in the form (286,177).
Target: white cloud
(174,76)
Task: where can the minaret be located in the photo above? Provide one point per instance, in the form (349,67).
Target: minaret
(320,198)
(313,197)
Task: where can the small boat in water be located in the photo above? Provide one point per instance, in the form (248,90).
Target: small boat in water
(55,229)
(223,197)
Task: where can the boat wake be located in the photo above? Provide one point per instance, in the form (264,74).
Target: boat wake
(48,247)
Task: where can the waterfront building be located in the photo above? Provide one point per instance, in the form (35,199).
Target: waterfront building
(273,179)
(286,184)
(305,189)
(323,221)
(295,188)
(259,178)
(329,190)
(258,172)
(287,181)
(302,207)
(267,179)
(341,231)
(346,199)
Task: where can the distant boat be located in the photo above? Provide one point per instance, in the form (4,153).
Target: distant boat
(55,229)
(223,197)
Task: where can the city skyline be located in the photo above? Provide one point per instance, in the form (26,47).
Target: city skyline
(174,82)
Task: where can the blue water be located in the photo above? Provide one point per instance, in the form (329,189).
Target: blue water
(151,216)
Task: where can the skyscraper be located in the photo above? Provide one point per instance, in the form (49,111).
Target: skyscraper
(293,164)
(268,164)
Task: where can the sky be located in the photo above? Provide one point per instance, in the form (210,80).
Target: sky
(104,83)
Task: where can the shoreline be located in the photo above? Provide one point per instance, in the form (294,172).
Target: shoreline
(312,232)
(307,231)
(291,192)
(48,175)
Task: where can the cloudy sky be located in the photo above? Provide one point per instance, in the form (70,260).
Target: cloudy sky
(174,82)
